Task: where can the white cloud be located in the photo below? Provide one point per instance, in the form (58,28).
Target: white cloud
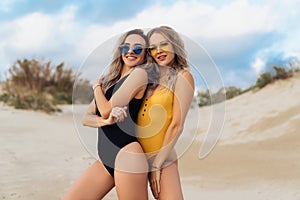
(199,19)
(193,18)
(62,38)
(41,32)
(40,35)
(258,65)
(32,32)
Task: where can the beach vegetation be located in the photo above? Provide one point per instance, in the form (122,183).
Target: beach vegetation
(264,79)
(206,98)
(37,85)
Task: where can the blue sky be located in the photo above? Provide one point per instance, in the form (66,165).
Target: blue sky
(243,38)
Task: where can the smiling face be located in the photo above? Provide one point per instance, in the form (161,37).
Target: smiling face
(161,49)
(135,55)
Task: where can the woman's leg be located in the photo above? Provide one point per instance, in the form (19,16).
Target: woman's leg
(94,183)
(170,187)
(131,173)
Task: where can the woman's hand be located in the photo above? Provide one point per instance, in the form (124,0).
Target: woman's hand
(155,182)
(118,114)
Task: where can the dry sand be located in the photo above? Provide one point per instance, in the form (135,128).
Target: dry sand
(257,156)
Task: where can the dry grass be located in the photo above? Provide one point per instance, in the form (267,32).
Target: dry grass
(39,86)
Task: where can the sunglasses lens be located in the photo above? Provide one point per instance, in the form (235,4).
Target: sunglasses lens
(124,49)
(137,49)
(153,50)
(163,46)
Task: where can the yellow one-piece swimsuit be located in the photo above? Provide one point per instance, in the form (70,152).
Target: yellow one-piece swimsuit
(154,119)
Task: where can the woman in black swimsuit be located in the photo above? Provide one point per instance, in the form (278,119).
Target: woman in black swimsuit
(122,161)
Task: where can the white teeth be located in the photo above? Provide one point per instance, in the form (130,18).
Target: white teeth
(161,57)
(131,57)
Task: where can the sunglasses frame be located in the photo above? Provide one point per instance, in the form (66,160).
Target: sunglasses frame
(137,49)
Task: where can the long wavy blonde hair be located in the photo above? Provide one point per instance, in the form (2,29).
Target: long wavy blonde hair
(116,66)
(180,58)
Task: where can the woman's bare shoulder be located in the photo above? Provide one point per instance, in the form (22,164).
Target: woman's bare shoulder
(185,72)
(187,75)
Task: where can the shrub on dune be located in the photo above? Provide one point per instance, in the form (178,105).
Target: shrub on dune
(34,85)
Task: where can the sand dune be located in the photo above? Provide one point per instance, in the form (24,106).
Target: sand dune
(258,153)
(257,156)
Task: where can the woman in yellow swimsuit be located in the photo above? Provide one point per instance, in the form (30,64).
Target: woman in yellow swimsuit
(162,115)
(163,111)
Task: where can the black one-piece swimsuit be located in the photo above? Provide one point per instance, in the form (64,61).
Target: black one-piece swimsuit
(112,138)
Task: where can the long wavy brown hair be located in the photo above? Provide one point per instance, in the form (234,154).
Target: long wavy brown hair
(116,66)
(180,59)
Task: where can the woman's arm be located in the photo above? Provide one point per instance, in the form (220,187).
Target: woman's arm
(101,102)
(183,96)
(133,86)
(93,120)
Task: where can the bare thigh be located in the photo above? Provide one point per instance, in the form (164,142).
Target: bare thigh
(170,187)
(94,183)
(131,173)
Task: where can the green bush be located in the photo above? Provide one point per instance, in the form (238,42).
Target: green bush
(203,98)
(281,73)
(232,92)
(264,79)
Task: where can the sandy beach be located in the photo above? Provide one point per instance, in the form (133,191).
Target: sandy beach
(257,156)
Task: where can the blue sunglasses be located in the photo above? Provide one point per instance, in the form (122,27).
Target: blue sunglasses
(137,49)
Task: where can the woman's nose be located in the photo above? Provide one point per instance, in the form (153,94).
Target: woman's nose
(159,50)
(130,51)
